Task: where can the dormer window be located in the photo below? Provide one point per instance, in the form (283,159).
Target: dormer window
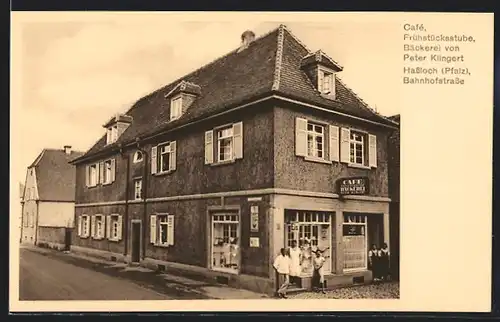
(176,108)
(326,82)
(112,134)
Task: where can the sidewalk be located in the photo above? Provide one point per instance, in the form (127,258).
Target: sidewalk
(179,286)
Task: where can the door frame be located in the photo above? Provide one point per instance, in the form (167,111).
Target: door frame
(132,222)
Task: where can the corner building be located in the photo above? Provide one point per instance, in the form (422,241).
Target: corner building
(215,172)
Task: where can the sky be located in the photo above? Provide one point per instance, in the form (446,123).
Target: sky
(76,72)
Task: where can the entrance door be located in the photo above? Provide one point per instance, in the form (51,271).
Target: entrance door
(312,231)
(67,239)
(136,241)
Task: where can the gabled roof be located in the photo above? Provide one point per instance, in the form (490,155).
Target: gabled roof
(55,175)
(271,64)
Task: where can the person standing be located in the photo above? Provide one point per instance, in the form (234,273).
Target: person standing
(282,267)
(373,262)
(295,260)
(384,262)
(318,273)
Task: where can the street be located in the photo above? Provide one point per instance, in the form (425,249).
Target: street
(51,276)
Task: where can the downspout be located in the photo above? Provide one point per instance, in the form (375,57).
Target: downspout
(127,187)
(144,196)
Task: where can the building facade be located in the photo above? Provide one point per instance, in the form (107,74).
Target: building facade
(48,205)
(217,171)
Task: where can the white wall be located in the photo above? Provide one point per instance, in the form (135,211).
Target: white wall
(56,214)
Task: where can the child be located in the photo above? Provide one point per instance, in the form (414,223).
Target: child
(318,273)
(282,267)
(373,262)
(384,262)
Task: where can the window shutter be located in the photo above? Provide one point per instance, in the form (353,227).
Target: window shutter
(209,147)
(101,172)
(79,225)
(154,164)
(238,140)
(170,232)
(320,80)
(119,229)
(113,170)
(300,136)
(173,155)
(372,150)
(152,229)
(92,224)
(87,181)
(334,143)
(345,151)
(108,227)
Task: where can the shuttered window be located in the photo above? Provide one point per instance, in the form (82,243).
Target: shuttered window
(162,229)
(225,142)
(164,157)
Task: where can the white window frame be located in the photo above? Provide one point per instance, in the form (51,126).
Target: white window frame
(107,167)
(364,223)
(162,223)
(165,154)
(176,107)
(85,229)
(114,222)
(93,177)
(357,145)
(218,132)
(228,217)
(323,74)
(138,156)
(138,186)
(315,135)
(99,219)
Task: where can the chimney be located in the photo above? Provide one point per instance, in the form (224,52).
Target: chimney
(67,149)
(246,38)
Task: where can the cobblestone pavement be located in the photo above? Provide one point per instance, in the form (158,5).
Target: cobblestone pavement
(388,290)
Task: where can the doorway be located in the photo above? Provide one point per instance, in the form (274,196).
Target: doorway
(67,239)
(136,241)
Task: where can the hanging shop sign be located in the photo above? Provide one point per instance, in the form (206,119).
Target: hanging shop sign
(353,186)
(353,230)
(254,219)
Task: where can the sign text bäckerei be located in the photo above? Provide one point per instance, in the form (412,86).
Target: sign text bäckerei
(353,186)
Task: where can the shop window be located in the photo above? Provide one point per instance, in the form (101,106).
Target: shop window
(225,242)
(312,231)
(355,242)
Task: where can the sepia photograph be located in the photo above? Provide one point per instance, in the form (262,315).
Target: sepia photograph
(204,159)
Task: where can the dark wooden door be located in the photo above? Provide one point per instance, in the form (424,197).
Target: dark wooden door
(67,239)
(136,241)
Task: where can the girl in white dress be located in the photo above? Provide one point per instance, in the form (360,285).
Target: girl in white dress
(295,259)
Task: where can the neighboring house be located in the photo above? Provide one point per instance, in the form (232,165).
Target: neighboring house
(21,200)
(394,188)
(217,171)
(49,198)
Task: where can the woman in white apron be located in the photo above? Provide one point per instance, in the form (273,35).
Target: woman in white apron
(295,259)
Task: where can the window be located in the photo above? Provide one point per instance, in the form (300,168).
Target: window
(225,144)
(357,148)
(165,158)
(311,230)
(138,189)
(326,82)
(175,108)
(98,228)
(225,242)
(315,140)
(107,174)
(162,230)
(138,157)
(84,226)
(114,230)
(355,242)
(112,134)
(92,175)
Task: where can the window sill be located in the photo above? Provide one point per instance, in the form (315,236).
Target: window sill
(114,239)
(97,238)
(318,160)
(359,166)
(164,173)
(106,184)
(161,245)
(221,163)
